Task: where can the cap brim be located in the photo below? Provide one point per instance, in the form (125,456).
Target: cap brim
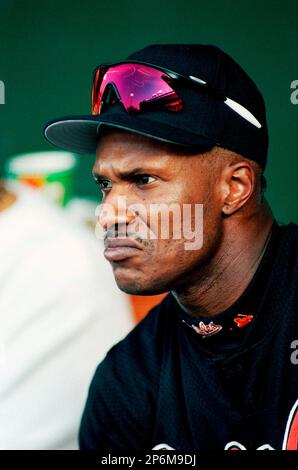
(80,134)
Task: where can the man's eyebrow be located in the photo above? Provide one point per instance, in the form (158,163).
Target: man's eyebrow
(123,174)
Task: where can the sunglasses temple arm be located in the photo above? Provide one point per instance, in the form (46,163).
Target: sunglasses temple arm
(238,108)
(242,111)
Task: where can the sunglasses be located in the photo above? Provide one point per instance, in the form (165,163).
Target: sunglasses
(142,87)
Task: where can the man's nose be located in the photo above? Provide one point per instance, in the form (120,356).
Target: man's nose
(114,212)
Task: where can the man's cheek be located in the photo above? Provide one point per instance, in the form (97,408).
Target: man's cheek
(163,225)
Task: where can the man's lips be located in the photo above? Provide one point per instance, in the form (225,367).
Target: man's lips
(117,249)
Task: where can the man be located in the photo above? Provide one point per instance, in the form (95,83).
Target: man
(60,313)
(213,365)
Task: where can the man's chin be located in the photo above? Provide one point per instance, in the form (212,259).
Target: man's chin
(136,290)
(137,287)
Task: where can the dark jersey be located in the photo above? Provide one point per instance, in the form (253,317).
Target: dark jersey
(230,381)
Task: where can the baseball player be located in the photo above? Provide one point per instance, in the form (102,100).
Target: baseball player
(180,135)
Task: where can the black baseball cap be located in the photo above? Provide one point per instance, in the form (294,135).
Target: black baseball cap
(203,122)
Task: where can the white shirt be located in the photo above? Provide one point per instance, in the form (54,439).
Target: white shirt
(60,311)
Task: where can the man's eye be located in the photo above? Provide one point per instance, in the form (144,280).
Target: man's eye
(104,184)
(144,179)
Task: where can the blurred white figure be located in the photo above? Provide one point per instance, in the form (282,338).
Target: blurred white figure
(60,311)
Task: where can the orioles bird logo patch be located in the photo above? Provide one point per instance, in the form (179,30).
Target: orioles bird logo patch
(207,330)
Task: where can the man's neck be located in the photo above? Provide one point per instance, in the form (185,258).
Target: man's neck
(220,283)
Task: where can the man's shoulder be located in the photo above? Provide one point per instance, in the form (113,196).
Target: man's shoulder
(289,243)
(290,230)
(282,282)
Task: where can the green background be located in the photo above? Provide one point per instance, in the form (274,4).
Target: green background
(49,49)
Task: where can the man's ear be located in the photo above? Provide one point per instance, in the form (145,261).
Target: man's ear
(238,182)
